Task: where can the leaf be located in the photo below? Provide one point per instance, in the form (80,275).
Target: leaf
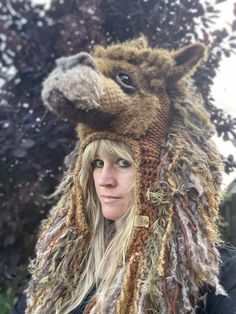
(19,152)
(232,45)
(52,145)
(230,158)
(27,143)
(226,53)
(9,240)
(234,25)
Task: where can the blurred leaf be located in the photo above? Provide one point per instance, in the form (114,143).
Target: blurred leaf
(27,143)
(9,240)
(234,26)
(233,45)
(19,152)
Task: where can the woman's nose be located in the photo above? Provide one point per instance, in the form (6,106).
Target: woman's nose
(107,177)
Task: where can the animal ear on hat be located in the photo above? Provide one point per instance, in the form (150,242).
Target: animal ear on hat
(186,61)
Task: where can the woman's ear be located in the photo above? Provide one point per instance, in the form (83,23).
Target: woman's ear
(186,61)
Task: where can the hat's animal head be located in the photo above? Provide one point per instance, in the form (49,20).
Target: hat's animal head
(121,87)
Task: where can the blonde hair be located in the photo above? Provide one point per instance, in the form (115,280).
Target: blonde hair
(107,244)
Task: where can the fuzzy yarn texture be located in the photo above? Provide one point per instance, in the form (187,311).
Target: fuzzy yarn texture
(177,183)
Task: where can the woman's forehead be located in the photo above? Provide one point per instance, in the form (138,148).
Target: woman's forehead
(107,153)
(112,151)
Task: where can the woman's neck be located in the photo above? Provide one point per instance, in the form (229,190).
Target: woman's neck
(119,225)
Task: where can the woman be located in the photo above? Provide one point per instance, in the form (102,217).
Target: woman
(107,178)
(135,229)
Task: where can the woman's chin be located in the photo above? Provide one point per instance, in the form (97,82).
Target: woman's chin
(111,214)
(111,217)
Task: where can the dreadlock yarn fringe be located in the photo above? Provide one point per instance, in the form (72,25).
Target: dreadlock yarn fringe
(187,201)
(59,252)
(128,296)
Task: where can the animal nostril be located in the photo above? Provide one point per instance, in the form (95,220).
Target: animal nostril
(84,58)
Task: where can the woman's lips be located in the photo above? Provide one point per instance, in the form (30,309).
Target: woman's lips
(109,199)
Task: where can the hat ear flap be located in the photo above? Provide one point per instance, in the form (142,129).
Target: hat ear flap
(186,61)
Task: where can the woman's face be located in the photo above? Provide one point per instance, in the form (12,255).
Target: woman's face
(114,184)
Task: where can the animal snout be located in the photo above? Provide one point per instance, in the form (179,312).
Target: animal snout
(82,58)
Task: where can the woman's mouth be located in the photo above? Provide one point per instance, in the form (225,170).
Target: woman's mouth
(108,199)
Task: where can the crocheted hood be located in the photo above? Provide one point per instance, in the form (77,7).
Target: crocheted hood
(142,97)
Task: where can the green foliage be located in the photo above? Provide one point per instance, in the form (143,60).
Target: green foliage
(5,305)
(12,288)
(6,301)
(226,196)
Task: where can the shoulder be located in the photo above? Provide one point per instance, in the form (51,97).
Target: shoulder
(219,304)
(20,306)
(228,267)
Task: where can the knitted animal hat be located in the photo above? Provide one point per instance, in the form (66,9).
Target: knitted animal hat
(142,97)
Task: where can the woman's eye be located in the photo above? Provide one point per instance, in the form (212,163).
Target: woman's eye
(98,163)
(124,163)
(125,81)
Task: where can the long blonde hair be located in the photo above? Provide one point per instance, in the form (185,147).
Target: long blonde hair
(108,243)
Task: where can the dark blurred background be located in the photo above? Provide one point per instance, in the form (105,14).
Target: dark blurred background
(34,143)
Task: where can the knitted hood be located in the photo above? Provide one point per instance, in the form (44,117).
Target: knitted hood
(140,96)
